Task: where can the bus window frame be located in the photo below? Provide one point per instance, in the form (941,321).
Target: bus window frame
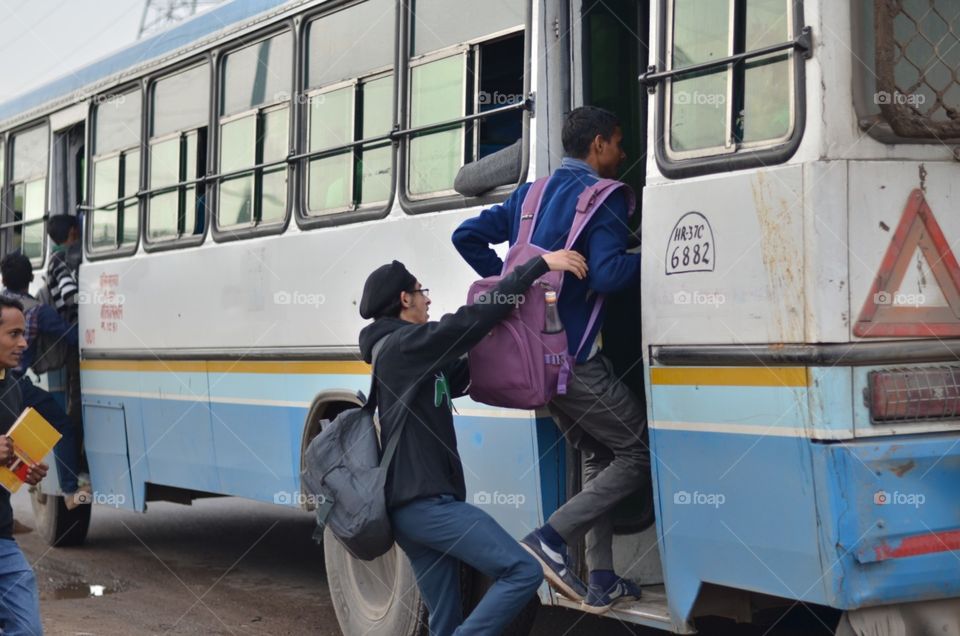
(464,52)
(7,187)
(353,84)
(216,176)
(88,208)
(194,239)
(743,155)
(455,201)
(304,220)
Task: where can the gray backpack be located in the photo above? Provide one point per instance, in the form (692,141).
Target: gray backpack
(344,472)
(51,352)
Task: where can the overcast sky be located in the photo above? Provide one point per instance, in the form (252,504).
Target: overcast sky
(41,40)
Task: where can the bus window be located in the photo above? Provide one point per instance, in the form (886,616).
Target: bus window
(24,226)
(907,89)
(115,222)
(350,99)
(484,70)
(720,111)
(254,134)
(178,156)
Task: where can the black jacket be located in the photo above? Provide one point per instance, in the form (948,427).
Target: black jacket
(425,364)
(11,404)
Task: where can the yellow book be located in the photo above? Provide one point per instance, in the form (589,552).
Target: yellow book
(33,437)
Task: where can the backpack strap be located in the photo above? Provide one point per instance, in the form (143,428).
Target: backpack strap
(530,210)
(590,201)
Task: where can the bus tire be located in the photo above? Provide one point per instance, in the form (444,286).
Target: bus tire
(364,605)
(58,526)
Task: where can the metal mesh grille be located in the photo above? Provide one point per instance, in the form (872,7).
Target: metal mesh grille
(929,393)
(918,66)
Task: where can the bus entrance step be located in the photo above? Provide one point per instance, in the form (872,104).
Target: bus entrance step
(650,610)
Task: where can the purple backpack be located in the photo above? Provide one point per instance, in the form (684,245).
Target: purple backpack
(517,365)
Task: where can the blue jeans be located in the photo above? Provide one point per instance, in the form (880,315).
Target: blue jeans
(67,450)
(437,533)
(19,598)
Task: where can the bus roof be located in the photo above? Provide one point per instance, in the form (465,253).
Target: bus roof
(142,51)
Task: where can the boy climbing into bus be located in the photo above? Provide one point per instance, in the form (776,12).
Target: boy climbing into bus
(598,414)
(419,370)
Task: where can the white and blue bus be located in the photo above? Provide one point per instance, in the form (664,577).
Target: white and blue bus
(795,337)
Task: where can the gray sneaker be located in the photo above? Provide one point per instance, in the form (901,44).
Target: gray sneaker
(555,567)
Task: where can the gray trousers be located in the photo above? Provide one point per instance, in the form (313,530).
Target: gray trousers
(604,420)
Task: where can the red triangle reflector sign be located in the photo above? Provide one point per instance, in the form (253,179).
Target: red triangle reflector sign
(882,315)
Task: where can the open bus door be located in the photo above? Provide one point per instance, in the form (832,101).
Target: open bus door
(55,523)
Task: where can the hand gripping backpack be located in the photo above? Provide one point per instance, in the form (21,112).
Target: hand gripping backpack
(517,365)
(343,470)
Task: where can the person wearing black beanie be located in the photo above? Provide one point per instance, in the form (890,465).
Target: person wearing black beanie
(420,369)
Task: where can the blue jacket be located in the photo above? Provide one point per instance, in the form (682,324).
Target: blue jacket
(603,243)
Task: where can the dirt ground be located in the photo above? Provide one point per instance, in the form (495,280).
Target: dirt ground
(227,566)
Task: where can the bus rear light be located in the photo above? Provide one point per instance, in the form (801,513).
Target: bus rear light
(905,395)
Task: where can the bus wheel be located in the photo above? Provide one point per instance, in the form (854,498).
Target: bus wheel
(373,598)
(58,526)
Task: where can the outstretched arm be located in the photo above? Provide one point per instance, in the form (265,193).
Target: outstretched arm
(436,344)
(493,226)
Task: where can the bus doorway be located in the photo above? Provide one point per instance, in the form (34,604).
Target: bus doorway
(614,52)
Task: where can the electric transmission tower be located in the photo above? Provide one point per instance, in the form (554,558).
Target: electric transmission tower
(161,14)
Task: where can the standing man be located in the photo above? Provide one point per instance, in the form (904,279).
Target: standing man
(40,319)
(62,277)
(19,598)
(598,414)
(419,369)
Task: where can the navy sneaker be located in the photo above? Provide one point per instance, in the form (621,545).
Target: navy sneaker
(598,600)
(555,567)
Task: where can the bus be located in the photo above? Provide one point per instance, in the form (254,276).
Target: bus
(795,336)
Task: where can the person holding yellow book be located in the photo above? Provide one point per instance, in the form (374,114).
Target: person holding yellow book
(19,597)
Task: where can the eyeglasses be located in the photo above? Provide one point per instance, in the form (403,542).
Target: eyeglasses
(422,290)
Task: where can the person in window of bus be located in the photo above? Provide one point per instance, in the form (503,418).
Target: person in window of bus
(598,415)
(17,273)
(423,363)
(19,598)
(62,272)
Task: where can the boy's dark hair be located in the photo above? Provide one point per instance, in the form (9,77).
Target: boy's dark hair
(581,127)
(59,226)
(9,302)
(17,271)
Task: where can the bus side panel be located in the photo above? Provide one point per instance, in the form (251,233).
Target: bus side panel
(176,427)
(105,440)
(894,524)
(499,452)
(734,481)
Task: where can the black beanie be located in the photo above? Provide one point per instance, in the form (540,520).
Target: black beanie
(383,287)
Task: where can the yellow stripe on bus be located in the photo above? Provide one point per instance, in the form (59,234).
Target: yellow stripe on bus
(351,367)
(730,376)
